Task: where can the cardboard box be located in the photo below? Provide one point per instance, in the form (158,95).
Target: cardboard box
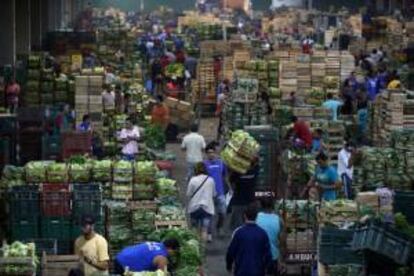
(81,81)
(184,106)
(171,102)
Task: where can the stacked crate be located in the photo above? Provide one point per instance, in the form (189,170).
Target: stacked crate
(347,65)
(88,99)
(318,69)
(288,77)
(31,96)
(333,70)
(206,82)
(47,87)
(61,91)
(335,139)
(240,57)
(303,74)
(228,68)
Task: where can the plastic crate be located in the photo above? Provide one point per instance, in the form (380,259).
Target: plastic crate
(87,199)
(76,140)
(383,240)
(334,247)
(24,229)
(24,201)
(55,200)
(404,203)
(55,228)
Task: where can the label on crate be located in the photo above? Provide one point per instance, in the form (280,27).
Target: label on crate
(301,257)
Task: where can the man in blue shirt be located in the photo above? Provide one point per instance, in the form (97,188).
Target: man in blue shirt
(147,256)
(372,86)
(85,126)
(217,170)
(332,105)
(325,178)
(272,224)
(249,252)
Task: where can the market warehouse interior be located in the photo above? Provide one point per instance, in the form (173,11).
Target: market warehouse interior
(206,137)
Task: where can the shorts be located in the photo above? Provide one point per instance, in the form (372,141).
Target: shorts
(220,204)
(201,219)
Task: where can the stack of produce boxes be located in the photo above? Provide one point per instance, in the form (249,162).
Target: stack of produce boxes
(318,69)
(333,72)
(288,78)
(47,87)
(31,96)
(62,93)
(88,99)
(304,75)
(181,112)
(204,87)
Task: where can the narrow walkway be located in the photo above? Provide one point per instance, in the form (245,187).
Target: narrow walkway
(215,259)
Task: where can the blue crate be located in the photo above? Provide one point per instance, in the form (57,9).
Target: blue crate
(24,201)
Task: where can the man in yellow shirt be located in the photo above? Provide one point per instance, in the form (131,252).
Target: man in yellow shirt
(92,249)
(395,83)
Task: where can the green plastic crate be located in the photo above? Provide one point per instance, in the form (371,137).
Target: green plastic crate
(25,229)
(56,228)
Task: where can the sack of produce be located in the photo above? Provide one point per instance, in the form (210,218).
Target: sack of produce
(235,161)
(123,171)
(145,172)
(244,144)
(35,172)
(57,173)
(102,171)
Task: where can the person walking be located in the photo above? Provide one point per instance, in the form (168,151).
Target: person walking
(218,171)
(243,186)
(200,193)
(249,250)
(146,256)
(160,113)
(345,169)
(269,221)
(92,250)
(193,144)
(303,134)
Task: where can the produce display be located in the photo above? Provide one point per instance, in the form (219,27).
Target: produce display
(175,70)
(57,173)
(102,170)
(35,171)
(298,212)
(18,251)
(166,187)
(338,212)
(154,137)
(145,172)
(170,213)
(123,171)
(12,176)
(240,151)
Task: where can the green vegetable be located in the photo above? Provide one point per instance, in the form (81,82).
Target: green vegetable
(145,172)
(166,187)
(36,171)
(102,171)
(79,172)
(123,171)
(154,137)
(57,173)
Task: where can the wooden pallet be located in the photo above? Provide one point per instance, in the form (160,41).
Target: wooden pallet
(58,265)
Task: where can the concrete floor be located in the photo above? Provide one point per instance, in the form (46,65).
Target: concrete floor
(215,251)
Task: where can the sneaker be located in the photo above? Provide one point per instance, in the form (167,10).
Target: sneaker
(209,238)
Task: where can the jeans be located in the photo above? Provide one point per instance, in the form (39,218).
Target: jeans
(128,157)
(190,170)
(201,219)
(347,181)
(221,209)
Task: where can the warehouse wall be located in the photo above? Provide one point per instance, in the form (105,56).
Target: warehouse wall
(7,32)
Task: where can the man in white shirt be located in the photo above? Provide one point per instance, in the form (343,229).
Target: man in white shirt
(108,98)
(194,145)
(129,136)
(345,168)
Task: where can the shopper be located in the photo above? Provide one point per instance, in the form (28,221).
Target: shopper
(317,141)
(325,179)
(119,100)
(86,125)
(345,169)
(160,114)
(92,249)
(243,186)
(12,95)
(129,136)
(362,116)
(333,105)
(200,194)
(303,135)
(218,171)
(147,256)
(372,86)
(269,221)
(348,95)
(193,144)
(108,98)
(249,252)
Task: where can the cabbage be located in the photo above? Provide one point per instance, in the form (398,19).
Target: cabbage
(102,171)
(57,173)
(11,172)
(80,173)
(36,171)
(123,171)
(166,187)
(145,172)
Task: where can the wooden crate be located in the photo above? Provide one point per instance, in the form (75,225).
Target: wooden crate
(58,265)
(170,224)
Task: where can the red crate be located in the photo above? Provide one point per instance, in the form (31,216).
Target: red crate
(77,140)
(55,200)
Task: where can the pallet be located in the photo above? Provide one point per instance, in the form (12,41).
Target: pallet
(58,265)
